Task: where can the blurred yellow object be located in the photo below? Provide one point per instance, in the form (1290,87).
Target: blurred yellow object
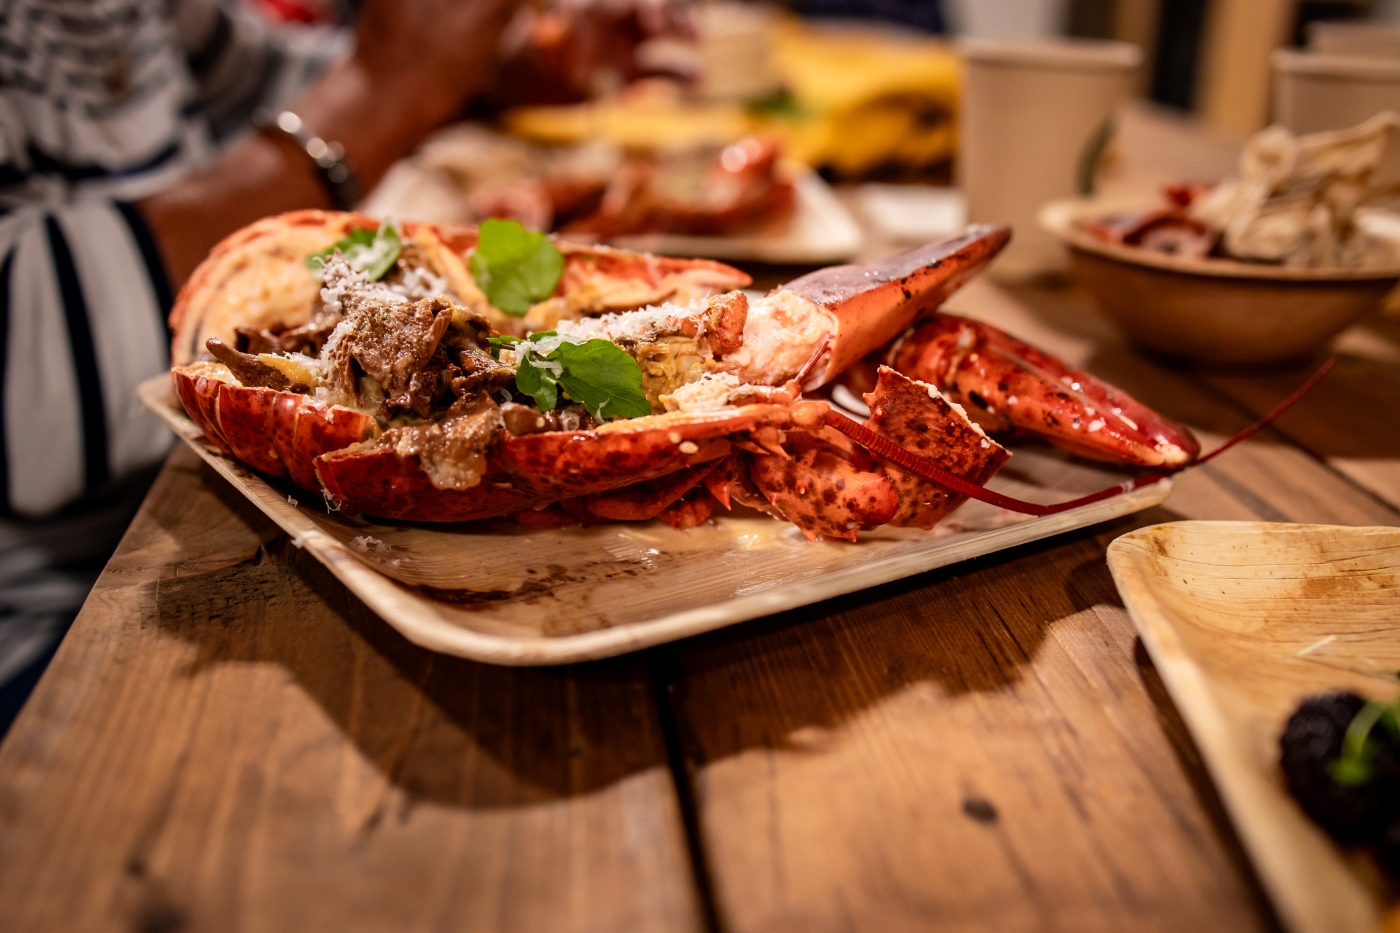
(857,101)
(869,100)
(648,117)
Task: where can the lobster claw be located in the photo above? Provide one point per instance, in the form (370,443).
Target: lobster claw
(1007,385)
(817,326)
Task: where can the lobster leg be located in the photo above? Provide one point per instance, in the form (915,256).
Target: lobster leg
(690,511)
(1009,386)
(916,417)
(821,491)
(643,501)
(831,488)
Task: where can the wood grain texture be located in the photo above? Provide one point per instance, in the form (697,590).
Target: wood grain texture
(847,765)
(1352,419)
(997,732)
(1245,619)
(228,741)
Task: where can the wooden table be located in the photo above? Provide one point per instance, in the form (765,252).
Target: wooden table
(227,740)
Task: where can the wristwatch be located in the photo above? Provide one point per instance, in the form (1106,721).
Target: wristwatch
(332,169)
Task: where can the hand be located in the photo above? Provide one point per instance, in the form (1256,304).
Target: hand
(431,55)
(415,65)
(567,52)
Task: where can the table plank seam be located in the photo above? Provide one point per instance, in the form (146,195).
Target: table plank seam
(702,877)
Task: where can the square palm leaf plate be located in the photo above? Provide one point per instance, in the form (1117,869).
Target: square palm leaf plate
(1243,620)
(495,592)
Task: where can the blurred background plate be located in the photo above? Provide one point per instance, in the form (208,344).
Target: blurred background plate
(821,231)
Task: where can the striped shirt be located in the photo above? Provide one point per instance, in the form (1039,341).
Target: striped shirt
(102,102)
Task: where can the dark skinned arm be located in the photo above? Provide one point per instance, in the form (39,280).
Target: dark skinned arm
(415,65)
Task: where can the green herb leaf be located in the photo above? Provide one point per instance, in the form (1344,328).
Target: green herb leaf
(373,252)
(596,374)
(603,378)
(499,343)
(780,103)
(538,382)
(1355,765)
(515,267)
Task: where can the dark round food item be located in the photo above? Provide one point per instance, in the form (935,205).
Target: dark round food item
(1388,849)
(1312,741)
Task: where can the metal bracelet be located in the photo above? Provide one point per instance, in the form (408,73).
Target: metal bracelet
(329,157)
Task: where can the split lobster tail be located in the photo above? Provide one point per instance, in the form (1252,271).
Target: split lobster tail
(279,433)
(1008,386)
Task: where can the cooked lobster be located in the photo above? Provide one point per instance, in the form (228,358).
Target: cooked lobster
(401,399)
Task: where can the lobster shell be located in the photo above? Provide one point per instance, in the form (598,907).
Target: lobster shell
(257,277)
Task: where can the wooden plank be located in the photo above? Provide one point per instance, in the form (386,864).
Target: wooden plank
(228,741)
(979,752)
(1351,418)
(985,747)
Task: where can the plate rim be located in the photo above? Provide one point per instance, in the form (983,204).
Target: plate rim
(1058,218)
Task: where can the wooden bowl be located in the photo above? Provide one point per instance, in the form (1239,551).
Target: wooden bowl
(1215,310)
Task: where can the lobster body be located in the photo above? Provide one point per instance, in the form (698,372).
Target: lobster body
(760,443)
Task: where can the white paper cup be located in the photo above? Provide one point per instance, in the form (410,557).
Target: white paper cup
(1315,92)
(1031,109)
(736,49)
(1369,39)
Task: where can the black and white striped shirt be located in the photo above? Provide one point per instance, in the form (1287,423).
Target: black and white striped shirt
(102,102)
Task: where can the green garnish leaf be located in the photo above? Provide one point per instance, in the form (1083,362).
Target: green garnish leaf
(1356,763)
(538,382)
(603,378)
(515,267)
(779,103)
(497,344)
(597,374)
(373,252)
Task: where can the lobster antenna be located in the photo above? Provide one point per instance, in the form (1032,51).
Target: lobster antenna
(811,363)
(882,446)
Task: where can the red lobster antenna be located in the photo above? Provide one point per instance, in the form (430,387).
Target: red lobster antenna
(882,446)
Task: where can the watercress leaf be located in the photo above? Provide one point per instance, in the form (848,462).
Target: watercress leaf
(600,376)
(500,343)
(379,256)
(537,382)
(373,252)
(515,267)
(357,237)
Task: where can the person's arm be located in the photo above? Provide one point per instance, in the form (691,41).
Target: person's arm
(415,65)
